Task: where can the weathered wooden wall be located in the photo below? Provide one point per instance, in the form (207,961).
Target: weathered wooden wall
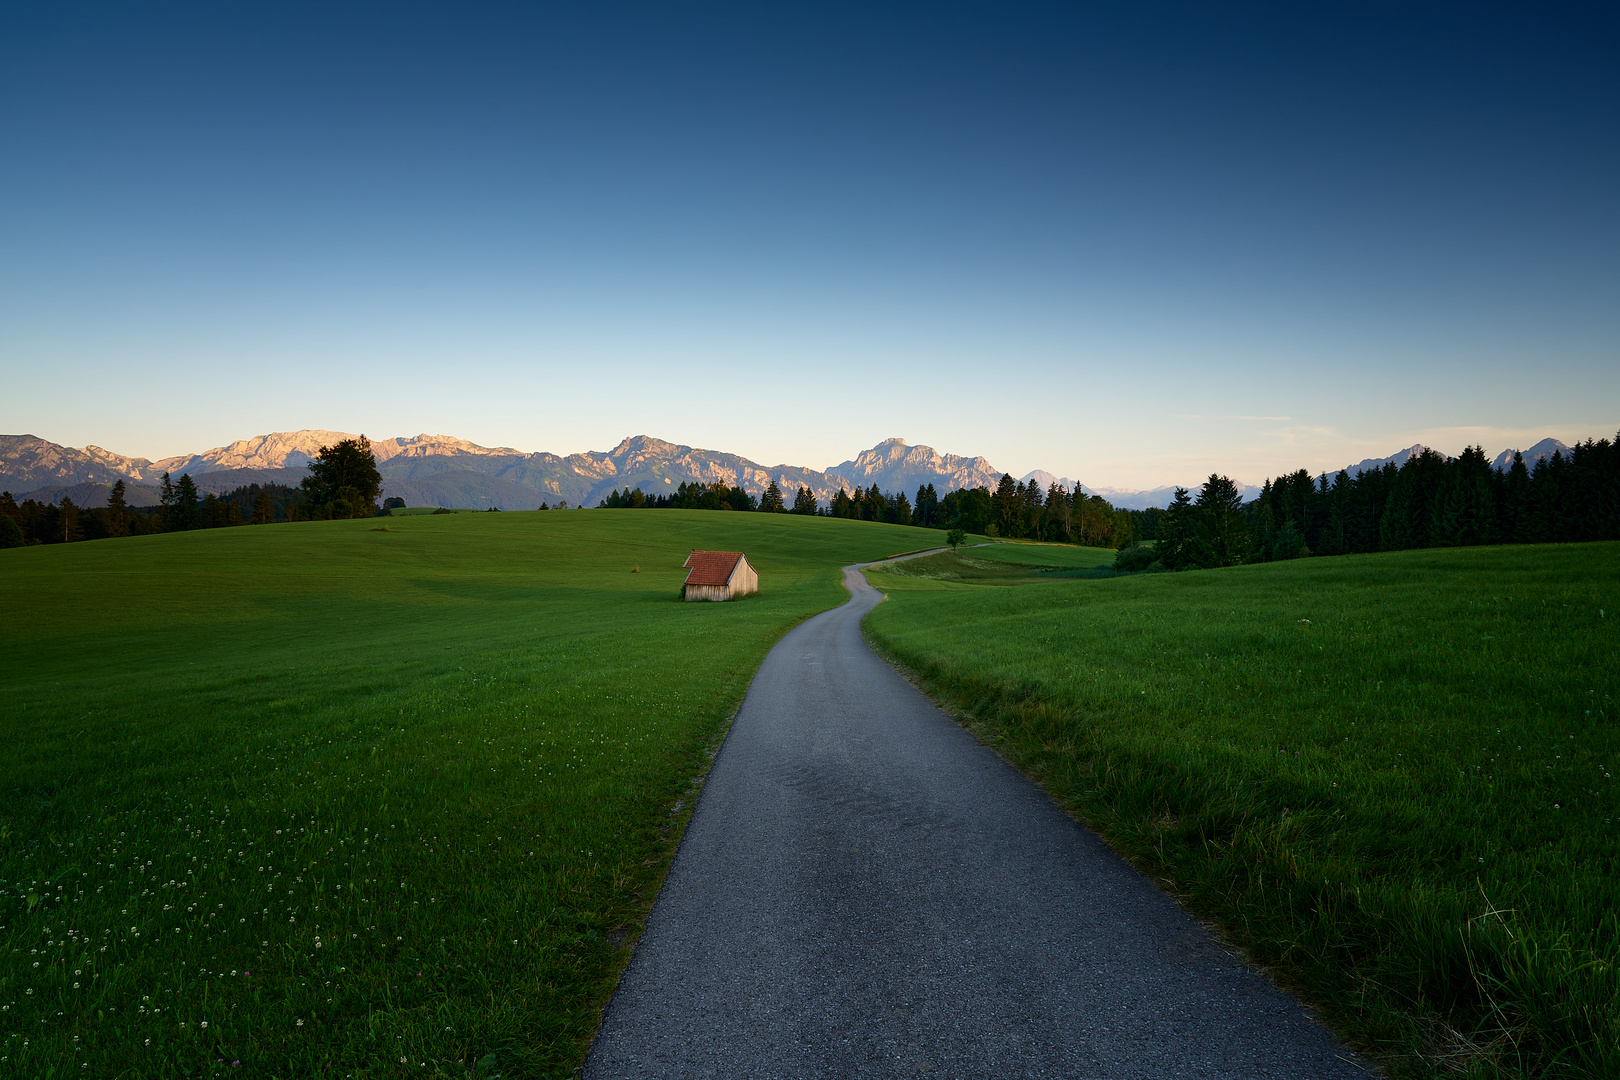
(708,592)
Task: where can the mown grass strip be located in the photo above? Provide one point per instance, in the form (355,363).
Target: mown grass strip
(1389,777)
(317,799)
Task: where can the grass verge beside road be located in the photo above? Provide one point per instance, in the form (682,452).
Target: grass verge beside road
(1388,777)
(322,799)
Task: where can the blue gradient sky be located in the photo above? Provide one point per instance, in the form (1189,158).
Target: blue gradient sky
(1130,244)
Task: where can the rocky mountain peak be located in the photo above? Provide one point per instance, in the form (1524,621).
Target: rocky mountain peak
(645,444)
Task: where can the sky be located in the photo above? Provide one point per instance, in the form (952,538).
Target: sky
(1129,243)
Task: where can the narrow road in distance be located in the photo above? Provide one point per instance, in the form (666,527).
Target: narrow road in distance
(865,891)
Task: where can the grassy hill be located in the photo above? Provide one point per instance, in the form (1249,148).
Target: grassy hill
(325,797)
(1387,776)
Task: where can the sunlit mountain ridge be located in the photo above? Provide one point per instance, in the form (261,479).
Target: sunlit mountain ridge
(442,470)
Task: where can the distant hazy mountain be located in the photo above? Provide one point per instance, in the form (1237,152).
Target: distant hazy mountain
(1160,496)
(463,488)
(1044,480)
(1543,449)
(135,494)
(1397,459)
(1140,500)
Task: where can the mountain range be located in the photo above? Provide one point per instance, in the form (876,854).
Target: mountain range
(439,470)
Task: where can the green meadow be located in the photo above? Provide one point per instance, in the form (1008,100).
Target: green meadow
(1387,777)
(1006,563)
(333,799)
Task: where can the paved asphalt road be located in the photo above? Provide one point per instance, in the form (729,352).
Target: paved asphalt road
(865,891)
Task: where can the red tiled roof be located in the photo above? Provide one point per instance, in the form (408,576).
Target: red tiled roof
(711,567)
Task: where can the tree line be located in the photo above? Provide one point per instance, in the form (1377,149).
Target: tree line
(182,509)
(343,482)
(692,496)
(1015,509)
(1429,500)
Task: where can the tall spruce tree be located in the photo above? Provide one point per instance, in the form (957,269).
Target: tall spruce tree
(1176,532)
(771,501)
(1555,503)
(926,510)
(1031,499)
(1221,536)
(1009,504)
(804,501)
(1335,533)
(875,507)
(1513,511)
(1263,524)
(68,522)
(1057,513)
(117,511)
(166,516)
(187,506)
(1464,506)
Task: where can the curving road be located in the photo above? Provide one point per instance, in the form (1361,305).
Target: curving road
(865,891)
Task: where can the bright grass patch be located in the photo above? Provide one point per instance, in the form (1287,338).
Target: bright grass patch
(1390,777)
(314,799)
(1009,562)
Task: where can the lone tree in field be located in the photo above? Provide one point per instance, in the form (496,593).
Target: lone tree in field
(956,537)
(343,481)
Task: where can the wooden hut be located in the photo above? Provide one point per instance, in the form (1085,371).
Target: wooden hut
(718,575)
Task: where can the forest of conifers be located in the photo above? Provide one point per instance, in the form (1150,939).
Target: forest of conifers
(1428,501)
(35,522)
(1014,509)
